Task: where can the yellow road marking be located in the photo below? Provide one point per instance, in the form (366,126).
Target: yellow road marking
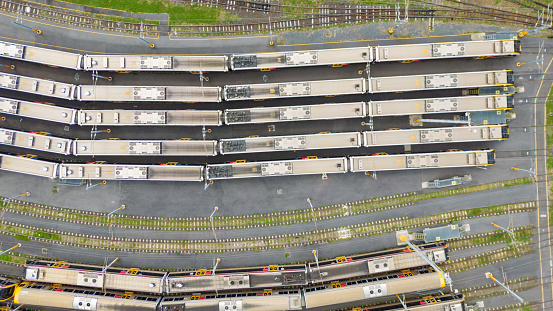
(537,186)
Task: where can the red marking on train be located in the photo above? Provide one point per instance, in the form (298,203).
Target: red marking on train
(208,272)
(423,302)
(65,266)
(265,269)
(349,259)
(202,297)
(259,294)
(401,275)
(117,296)
(123,271)
(59,290)
(343,285)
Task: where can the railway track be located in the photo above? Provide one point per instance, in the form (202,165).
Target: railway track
(492,289)
(239,221)
(73,18)
(312,17)
(25,232)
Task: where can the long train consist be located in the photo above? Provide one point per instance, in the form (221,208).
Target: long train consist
(254,115)
(327,294)
(28,164)
(256,91)
(41,141)
(204,280)
(263,61)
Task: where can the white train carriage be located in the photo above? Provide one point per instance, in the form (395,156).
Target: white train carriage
(145,147)
(131,172)
(132,280)
(37,111)
(365,290)
(383,262)
(292,142)
(415,52)
(440,81)
(148,93)
(453,158)
(59,297)
(156,63)
(260,300)
(27,164)
(267,61)
(37,86)
(435,135)
(35,140)
(438,105)
(295,89)
(295,113)
(310,165)
(40,55)
(151,117)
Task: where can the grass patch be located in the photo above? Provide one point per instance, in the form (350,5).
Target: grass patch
(46,235)
(178,13)
(21,237)
(549,143)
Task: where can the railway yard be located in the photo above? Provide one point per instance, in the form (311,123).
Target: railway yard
(239,173)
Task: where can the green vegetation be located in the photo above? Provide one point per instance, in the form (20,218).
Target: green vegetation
(269,219)
(178,13)
(22,237)
(549,144)
(46,235)
(264,242)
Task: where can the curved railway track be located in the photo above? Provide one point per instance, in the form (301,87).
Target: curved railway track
(259,243)
(320,16)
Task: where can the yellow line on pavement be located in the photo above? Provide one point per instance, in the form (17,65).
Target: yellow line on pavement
(537,186)
(217,38)
(75,29)
(366,40)
(546,177)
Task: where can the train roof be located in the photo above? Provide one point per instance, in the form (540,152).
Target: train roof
(439,81)
(277,168)
(148,93)
(295,113)
(151,117)
(131,172)
(37,86)
(156,63)
(40,55)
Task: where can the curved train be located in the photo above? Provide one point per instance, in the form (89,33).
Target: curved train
(491,78)
(221,279)
(326,294)
(263,61)
(173,171)
(328,111)
(359,278)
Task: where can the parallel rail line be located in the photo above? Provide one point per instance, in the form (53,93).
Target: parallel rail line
(299,239)
(321,16)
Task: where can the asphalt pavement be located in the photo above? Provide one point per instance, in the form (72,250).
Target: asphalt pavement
(246,196)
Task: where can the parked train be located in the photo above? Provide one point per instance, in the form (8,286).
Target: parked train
(448,302)
(326,294)
(256,91)
(205,280)
(29,164)
(262,61)
(254,115)
(41,141)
